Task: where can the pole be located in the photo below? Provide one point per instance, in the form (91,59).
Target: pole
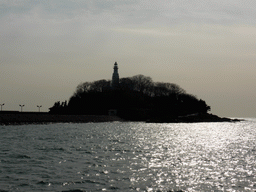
(21,106)
(39,106)
(1,106)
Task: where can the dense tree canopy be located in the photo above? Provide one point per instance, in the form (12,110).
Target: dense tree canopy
(136,98)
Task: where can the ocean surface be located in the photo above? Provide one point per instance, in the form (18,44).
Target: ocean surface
(129,157)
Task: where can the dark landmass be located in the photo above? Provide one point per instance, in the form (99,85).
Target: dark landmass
(20,118)
(137,98)
(194,118)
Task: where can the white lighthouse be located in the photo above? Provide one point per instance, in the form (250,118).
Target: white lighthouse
(115,77)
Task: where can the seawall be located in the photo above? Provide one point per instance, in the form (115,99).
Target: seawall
(34,117)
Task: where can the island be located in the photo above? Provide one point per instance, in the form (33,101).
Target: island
(136,98)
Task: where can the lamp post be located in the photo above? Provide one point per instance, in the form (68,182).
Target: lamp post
(1,106)
(21,106)
(39,106)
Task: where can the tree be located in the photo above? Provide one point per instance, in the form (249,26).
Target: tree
(82,88)
(142,84)
(137,98)
(98,86)
(167,89)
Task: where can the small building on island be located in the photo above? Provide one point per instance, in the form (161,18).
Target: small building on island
(114,85)
(115,77)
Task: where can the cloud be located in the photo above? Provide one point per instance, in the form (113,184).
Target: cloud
(14,3)
(137,12)
(51,46)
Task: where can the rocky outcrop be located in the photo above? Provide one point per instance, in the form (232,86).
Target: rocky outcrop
(192,118)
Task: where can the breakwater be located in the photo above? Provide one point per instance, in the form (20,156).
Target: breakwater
(34,117)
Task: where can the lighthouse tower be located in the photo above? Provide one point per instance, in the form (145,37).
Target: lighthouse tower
(115,77)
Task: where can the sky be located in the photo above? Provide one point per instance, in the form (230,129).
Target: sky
(208,48)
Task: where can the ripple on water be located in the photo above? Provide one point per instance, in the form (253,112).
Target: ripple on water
(129,157)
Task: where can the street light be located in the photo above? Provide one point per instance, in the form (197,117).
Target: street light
(39,106)
(1,106)
(21,106)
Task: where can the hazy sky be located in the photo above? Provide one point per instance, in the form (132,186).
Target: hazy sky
(48,47)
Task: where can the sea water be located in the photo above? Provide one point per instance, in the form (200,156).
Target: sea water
(129,157)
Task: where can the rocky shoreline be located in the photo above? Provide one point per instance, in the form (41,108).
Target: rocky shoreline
(193,118)
(19,118)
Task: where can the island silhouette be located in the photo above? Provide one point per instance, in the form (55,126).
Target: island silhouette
(136,98)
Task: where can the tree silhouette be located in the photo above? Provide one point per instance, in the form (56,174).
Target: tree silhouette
(136,98)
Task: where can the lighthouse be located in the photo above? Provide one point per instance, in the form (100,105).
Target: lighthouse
(115,77)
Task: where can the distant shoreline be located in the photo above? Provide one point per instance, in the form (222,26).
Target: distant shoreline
(20,118)
(44,118)
(194,118)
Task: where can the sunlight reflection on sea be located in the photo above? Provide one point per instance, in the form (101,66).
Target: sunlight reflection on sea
(129,157)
